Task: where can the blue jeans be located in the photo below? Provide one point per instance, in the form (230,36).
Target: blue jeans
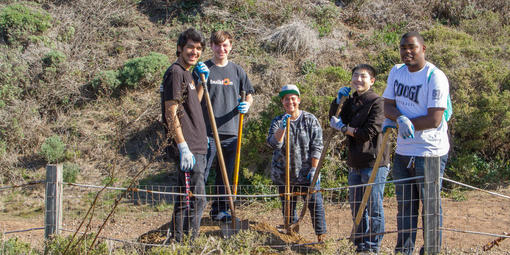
(372,221)
(315,205)
(409,194)
(228,147)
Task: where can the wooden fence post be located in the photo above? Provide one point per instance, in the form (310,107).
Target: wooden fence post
(53,212)
(432,206)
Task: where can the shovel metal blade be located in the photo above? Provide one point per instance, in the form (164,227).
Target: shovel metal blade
(228,230)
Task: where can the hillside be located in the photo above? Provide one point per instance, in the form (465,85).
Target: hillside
(79,81)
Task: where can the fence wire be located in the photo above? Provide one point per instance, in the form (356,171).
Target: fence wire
(145,215)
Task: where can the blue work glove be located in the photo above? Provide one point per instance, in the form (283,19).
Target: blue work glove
(336,123)
(343,92)
(405,127)
(202,69)
(243,107)
(310,175)
(388,124)
(283,122)
(187,160)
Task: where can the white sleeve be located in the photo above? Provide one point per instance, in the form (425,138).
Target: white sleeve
(389,92)
(438,90)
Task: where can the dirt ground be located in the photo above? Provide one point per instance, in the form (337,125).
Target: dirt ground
(479,212)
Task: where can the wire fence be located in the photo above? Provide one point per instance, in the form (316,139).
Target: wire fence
(472,221)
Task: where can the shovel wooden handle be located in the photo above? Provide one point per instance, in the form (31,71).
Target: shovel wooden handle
(221,160)
(238,149)
(287,176)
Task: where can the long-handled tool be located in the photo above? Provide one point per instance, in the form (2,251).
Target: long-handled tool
(287,177)
(221,160)
(238,149)
(368,189)
(328,139)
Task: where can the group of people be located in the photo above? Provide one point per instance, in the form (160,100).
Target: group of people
(415,102)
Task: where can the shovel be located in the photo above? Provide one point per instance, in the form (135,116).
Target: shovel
(234,228)
(238,149)
(287,178)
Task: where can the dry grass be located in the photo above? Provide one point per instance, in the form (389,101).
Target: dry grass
(295,39)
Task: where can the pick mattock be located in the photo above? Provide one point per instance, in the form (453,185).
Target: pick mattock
(287,177)
(221,161)
(238,149)
(328,139)
(368,188)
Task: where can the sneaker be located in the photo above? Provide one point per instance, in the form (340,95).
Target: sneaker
(223,216)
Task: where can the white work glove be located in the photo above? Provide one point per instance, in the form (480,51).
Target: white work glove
(405,127)
(187,160)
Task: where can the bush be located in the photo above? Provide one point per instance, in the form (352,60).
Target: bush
(58,245)
(13,246)
(319,88)
(473,169)
(13,77)
(18,22)
(296,39)
(53,149)
(143,70)
(70,172)
(324,19)
(54,59)
(106,81)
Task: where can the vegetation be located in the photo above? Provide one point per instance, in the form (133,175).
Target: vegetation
(80,85)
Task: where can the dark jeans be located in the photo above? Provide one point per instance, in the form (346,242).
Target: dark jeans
(409,194)
(183,217)
(228,147)
(315,206)
(372,220)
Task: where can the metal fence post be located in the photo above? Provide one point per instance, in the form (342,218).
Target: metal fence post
(432,206)
(53,202)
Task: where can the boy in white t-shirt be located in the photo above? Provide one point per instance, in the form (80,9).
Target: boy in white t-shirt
(417,98)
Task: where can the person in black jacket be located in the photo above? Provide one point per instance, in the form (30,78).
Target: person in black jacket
(360,120)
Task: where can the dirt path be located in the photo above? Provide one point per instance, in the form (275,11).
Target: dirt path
(480,212)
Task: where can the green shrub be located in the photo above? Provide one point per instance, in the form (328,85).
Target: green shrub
(66,34)
(54,59)
(476,170)
(13,76)
(256,152)
(3,147)
(18,22)
(308,67)
(13,246)
(141,70)
(106,81)
(58,245)
(324,19)
(319,88)
(70,172)
(53,149)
